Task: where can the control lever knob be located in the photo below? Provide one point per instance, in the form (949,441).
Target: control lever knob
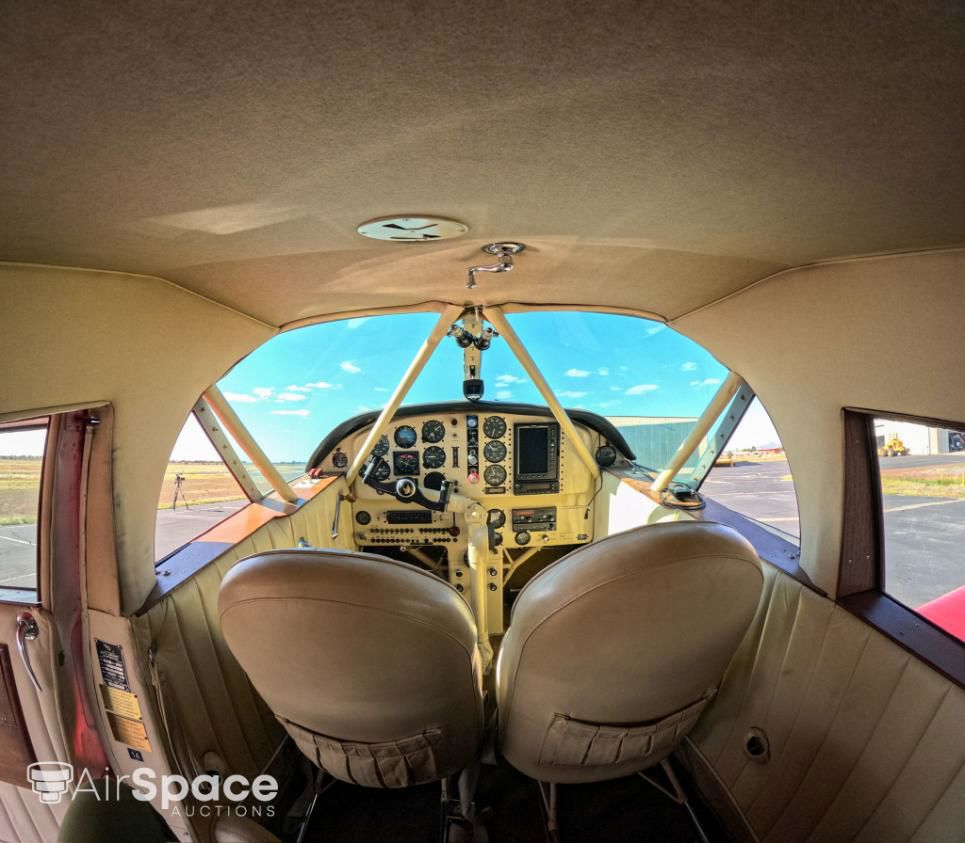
(405,488)
(473,476)
(472,459)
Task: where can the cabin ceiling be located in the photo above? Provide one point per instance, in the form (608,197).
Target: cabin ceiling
(652,155)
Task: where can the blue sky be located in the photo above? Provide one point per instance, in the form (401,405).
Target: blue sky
(299,385)
(295,388)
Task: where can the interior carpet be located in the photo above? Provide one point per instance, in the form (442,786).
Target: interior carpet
(618,811)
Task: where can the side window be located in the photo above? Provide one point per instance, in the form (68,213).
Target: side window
(752,476)
(922,471)
(198,491)
(22,447)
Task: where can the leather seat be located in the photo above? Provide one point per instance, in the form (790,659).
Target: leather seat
(370,664)
(614,651)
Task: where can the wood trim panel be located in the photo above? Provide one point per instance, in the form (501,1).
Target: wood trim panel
(862,546)
(911,631)
(16,750)
(861,573)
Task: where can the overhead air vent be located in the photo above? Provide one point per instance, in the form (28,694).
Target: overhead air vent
(412,229)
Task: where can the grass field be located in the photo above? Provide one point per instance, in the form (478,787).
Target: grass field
(203,483)
(19,490)
(934,481)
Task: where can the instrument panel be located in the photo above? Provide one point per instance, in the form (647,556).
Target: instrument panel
(503,460)
(519,466)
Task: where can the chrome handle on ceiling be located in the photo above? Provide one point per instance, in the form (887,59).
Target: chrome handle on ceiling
(27,630)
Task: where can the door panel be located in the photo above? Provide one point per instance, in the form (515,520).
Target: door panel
(866,742)
(24,817)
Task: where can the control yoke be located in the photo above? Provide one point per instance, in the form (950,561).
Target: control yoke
(405,489)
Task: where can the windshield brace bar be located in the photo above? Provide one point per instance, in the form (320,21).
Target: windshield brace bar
(213,429)
(736,410)
(501,324)
(229,419)
(728,389)
(449,315)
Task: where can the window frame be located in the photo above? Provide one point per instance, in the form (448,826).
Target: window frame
(14,595)
(861,570)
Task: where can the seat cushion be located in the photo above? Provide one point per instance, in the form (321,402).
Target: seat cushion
(616,639)
(362,659)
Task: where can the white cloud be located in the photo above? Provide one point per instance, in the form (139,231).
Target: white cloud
(503,394)
(616,389)
(290,412)
(352,324)
(290,396)
(641,388)
(688,367)
(603,371)
(240,398)
(264,392)
(363,408)
(379,389)
(656,329)
(321,385)
(508,379)
(576,373)
(604,404)
(624,368)
(350,367)
(570,393)
(706,382)
(298,388)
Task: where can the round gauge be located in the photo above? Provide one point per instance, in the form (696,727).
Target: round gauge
(495,475)
(405,436)
(496,518)
(433,431)
(433,457)
(339,459)
(606,455)
(363,517)
(434,480)
(472,421)
(495,451)
(382,471)
(405,463)
(494,427)
(381,447)
(522,537)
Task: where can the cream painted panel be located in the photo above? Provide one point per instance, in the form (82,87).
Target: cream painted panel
(619,507)
(866,742)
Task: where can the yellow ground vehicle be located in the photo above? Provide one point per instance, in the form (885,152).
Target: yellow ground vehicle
(893,447)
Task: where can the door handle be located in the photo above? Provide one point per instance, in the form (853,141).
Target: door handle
(27,630)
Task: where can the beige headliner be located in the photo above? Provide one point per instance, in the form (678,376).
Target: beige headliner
(653,155)
(656,157)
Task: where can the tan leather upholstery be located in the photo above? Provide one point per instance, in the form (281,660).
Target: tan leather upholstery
(613,651)
(370,664)
(866,742)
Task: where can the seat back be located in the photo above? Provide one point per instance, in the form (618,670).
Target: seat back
(614,650)
(370,664)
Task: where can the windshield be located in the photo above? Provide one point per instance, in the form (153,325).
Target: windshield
(649,380)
